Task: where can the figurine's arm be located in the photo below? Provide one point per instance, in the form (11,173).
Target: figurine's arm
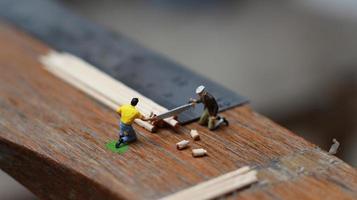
(142,117)
(119,111)
(195,101)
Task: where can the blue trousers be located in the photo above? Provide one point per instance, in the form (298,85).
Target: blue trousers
(127,133)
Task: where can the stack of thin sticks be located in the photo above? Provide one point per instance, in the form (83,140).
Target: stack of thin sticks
(100,86)
(218,186)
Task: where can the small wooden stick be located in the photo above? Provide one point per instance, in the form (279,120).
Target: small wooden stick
(93,93)
(229,186)
(105,89)
(172,122)
(218,186)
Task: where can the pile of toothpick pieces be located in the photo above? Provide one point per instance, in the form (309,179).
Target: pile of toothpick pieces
(184,144)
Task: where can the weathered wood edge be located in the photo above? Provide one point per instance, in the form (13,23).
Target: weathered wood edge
(335,166)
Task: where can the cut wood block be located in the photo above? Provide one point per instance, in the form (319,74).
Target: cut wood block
(199,152)
(183,144)
(194,134)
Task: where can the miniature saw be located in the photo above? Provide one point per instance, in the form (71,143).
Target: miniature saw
(175,111)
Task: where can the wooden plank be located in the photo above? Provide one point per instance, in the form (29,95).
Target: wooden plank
(52,140)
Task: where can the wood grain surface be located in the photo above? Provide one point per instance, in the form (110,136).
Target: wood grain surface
(52,140)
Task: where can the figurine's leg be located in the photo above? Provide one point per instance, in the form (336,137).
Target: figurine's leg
(212,123)
(218,122)
(121,130)
(204,117)
(131,137)
(121,135)
(125,139)
(120,141)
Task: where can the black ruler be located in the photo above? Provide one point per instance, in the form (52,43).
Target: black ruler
(164,81)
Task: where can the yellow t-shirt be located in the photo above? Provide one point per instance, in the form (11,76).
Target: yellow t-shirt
(128,113)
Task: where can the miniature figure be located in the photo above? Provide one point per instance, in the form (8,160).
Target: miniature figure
(209,114)
(128,113)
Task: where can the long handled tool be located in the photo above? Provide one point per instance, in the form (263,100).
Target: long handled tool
(175,111)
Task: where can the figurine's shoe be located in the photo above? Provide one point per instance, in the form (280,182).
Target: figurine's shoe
(225,121)
(117,145)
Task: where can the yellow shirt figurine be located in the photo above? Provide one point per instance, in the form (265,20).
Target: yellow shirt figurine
(128,113)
